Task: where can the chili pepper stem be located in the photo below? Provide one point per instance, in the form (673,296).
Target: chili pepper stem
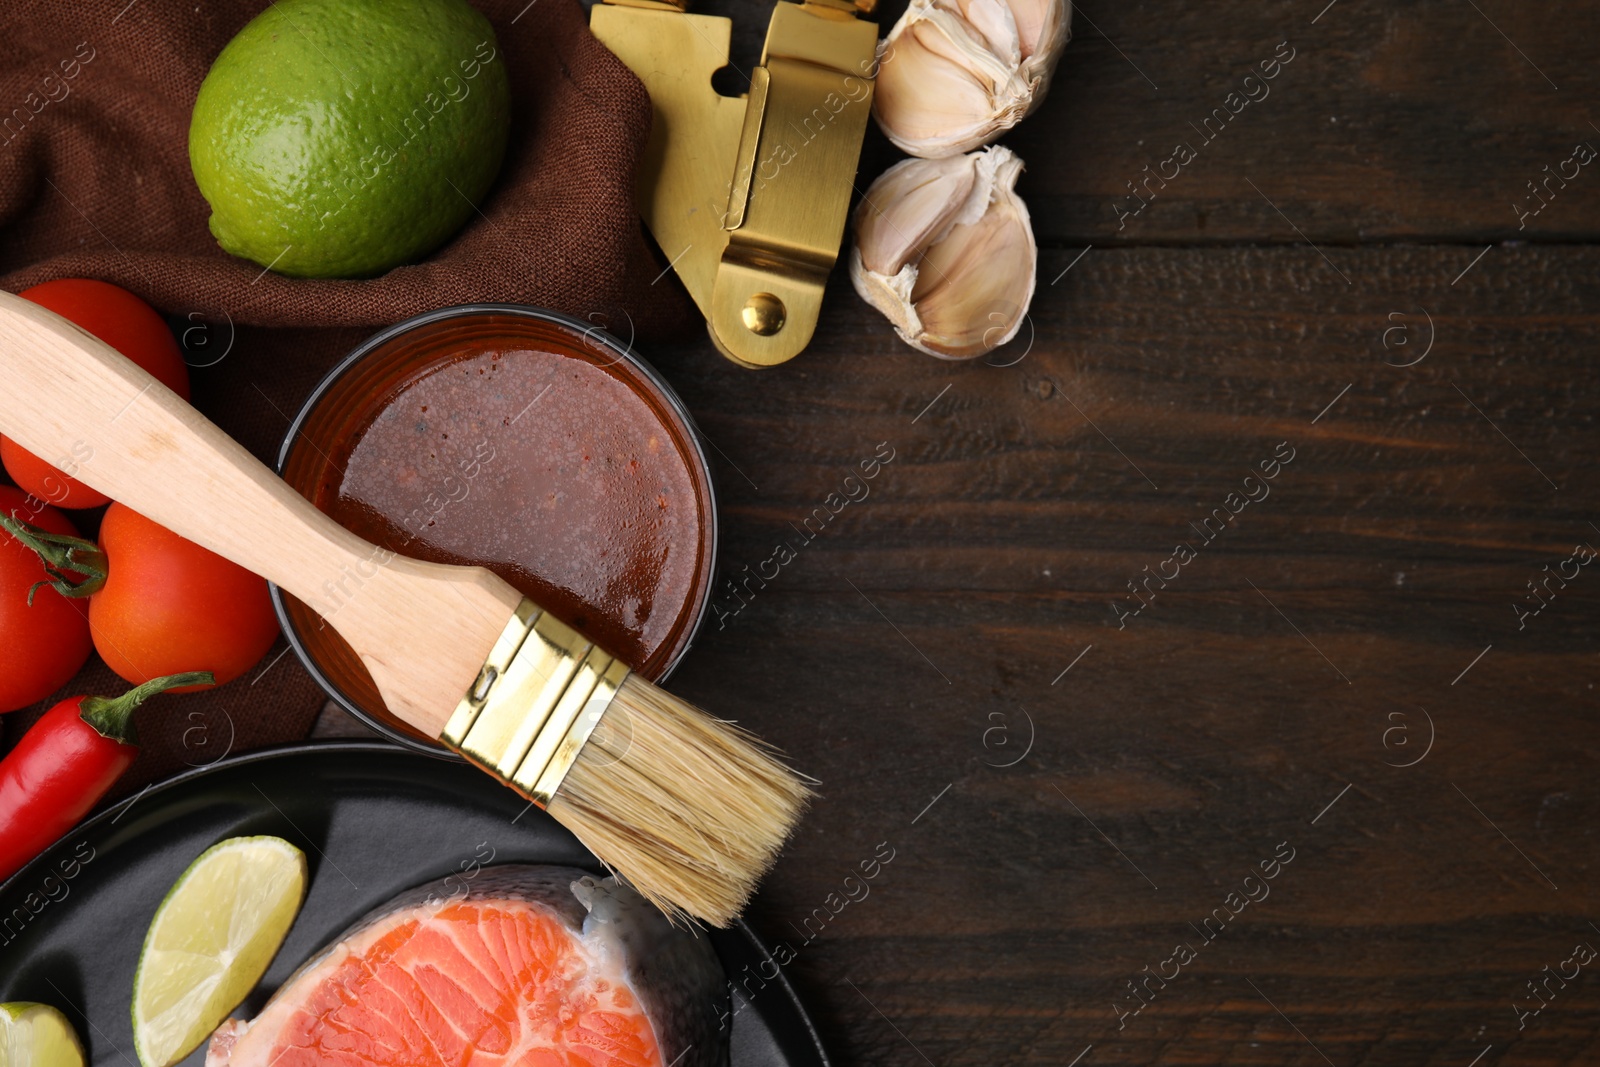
(112,717)
(61,553)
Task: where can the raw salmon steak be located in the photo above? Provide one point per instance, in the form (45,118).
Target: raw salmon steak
(528,967)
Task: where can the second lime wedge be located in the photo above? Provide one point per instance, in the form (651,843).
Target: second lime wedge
(210,942)
(37,1035)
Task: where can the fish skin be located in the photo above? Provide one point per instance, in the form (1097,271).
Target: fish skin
(674,972)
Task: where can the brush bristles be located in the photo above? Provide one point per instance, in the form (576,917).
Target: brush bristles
(691,810)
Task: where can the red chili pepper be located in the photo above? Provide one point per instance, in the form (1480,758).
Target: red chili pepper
(63,766)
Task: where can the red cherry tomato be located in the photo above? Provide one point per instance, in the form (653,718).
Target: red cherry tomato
(127,324)
(44,644)
(170,606)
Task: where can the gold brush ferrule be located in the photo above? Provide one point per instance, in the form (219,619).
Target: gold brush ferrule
(536,701)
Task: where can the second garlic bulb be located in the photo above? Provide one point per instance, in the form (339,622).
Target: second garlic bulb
(945,249)
(955,74)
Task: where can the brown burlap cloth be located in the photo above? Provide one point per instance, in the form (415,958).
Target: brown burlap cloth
(95,183)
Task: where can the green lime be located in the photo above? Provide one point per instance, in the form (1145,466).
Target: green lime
(36,1035)
(342,138)
(211,941)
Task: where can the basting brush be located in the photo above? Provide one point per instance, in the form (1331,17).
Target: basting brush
(692,810)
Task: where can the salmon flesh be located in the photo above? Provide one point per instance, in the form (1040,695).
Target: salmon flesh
(527,967)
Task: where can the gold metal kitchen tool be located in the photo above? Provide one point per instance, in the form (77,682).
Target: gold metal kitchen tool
(748,195)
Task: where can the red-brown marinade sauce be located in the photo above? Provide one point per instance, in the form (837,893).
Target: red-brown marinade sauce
(516,445)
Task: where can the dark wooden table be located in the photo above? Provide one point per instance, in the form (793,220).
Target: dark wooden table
(1345,687)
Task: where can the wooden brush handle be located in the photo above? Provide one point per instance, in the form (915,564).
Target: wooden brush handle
(423,629)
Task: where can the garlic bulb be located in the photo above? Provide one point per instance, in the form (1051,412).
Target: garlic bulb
(944,248)
(955,74)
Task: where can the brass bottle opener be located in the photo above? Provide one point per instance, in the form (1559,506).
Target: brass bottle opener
(747,196)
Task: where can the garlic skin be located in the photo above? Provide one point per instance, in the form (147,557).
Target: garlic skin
(944,248)
(955,74)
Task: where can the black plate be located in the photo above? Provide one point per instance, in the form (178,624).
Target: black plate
(373,820)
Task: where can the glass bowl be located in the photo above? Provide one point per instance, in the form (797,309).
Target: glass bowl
(576,474)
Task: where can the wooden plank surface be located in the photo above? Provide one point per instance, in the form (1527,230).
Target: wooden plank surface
(1419,121)
(1362,607)
(1341,673)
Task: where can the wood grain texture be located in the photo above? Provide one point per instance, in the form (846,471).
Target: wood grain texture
(915,646)
(1397,122)
(1440,403)
(1067,800)
(903,653)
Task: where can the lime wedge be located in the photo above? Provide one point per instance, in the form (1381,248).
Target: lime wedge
(36,1035)
(211,941)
